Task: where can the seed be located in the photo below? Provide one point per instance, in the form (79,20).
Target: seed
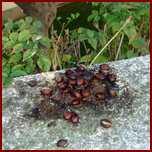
(74,118)
(80,81)
(100,75)
(86,84)
(59,78)
(67,90)
(72,82)
(68,72)
(81,67)
(36,111)
(85,93)
(104,67)
(100,95)
(106,123)
(62,85)
(32,83)
(75,102)
(77,94)
(46,91)
(57,97)
(73,76)
(112,77)
(110,92)
(67,115)
(62,143)
(95,79)
(78,72)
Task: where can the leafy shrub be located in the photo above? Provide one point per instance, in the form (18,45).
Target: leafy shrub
(22,51)
(133,41)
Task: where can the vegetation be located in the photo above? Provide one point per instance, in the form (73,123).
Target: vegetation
(76,38)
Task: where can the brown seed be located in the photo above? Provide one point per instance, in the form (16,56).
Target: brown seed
(62,143)
(100,95)
(75,102)
(100,75)
(57,97)
(68,72)
(85,93)
(67,115)
(110,92)
(46,91)
(32,83)
(74,118)
(67,90)
(87,83)
(62,85)
(72,82)
(59,78)
(77,94)
(78,72)
(81,67)
(73,76)
(106,123)
(112,77)
(104,67)
(80,81)
(95,79)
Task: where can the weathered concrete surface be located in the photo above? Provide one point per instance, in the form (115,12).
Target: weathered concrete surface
(130,126)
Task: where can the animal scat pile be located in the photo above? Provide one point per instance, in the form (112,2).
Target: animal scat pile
(74,89)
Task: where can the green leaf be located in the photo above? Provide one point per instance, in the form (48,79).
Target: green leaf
(90,18)
(110,18)
(9,45)
(102,38)
(59,18)
(37,24)
(46,41)
(84,59)
(30,61)
(95,12)
(9,26)
(33,30)
(138,42)
(28,19)
(15,58)
(116,27)
(30,68)
(3,79)
(131,54)
(68,18)
(18,48)
(73,59)
(4,40)
(102,10)
(24,36)
(77,15)
(90,33)
(28,54)
(66,57)
(17,67)
(83,37)
(18,73)
(74,35)
(13,36)
(96,19)
(44,63)
(131,33)
(73,16)
(6,70)
(4,61)
(8,81)
(100,58)
(93,42)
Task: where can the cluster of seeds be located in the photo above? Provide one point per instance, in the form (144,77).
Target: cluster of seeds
(73,89)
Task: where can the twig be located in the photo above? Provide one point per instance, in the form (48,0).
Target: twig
(127,21)
(119,48)
(88,58)
(85,46)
